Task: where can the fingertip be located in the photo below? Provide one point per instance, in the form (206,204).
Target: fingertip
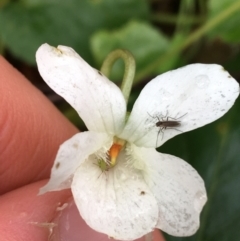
(52,216)
(31,130)
(26,216)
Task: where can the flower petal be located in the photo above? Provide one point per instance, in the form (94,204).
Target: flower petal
(116,202)
(97,100)
(193,96)
(179,189)
(71,154)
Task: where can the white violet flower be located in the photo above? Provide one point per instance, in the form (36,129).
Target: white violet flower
(121,185)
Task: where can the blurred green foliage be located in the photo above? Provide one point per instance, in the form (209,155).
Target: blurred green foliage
(227,30)
(196,31)
(25,25)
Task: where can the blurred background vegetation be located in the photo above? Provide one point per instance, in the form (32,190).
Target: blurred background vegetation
(162,35)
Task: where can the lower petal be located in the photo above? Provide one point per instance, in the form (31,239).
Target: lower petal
(71,154)
(178,188)
(116,202)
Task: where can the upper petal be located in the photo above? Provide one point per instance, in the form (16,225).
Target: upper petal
(178,188)
(97,100)
(116,202)
(71,154)
(190,97)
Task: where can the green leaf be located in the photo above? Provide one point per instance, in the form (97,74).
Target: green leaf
(234,63)
(214,152)
(176,60)
(140,38)
(229,29)
(27,24)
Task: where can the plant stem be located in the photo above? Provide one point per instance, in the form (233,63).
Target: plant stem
(172,19)
(3,3)
(129,72)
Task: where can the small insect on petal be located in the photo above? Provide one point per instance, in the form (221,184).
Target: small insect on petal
(167,122)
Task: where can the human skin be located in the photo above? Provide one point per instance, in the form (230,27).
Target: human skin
(31,130)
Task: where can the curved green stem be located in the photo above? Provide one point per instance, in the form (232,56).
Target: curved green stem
(191,39)
(129,72)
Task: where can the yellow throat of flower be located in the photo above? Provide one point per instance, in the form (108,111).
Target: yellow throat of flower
(115,150)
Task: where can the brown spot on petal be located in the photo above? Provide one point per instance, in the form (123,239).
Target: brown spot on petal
(75,145)
(57,165)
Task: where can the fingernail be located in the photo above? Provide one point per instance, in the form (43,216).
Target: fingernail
(71,227)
